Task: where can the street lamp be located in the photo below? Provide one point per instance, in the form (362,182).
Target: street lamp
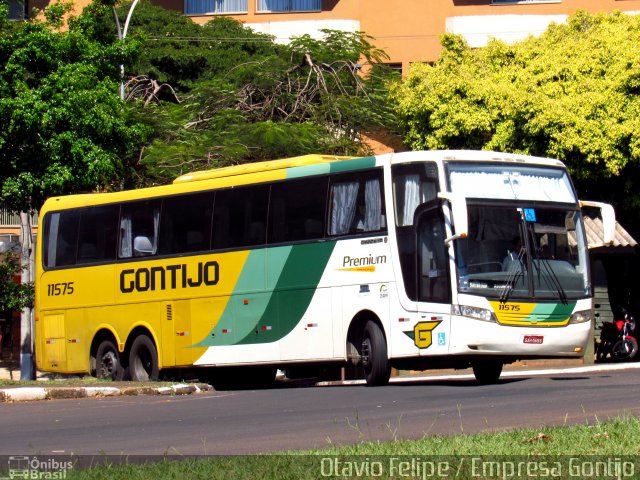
(122,34)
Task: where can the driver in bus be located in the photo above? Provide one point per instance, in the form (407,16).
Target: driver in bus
(512,255)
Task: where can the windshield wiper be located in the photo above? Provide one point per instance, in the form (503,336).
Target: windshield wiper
(552,278)
(547,270)
(516,270)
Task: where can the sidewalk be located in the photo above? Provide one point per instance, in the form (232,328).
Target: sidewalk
(10,370)
(19,393)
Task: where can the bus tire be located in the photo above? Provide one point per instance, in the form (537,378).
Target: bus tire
(143,360)
(374,355)
(108,364)
(487,372)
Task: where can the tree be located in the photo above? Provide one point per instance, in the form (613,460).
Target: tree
(14,296)
(220,93)
(571,94)
(63,128)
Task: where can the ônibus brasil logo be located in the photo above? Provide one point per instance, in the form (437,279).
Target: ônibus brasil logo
(34,468)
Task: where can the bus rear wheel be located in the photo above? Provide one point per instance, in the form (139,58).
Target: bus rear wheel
(108,365)
(374,355)
(143,360)
(487,371)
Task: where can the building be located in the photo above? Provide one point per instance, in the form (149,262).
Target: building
(409,30)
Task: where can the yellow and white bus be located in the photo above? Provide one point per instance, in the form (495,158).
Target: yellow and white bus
(411,260)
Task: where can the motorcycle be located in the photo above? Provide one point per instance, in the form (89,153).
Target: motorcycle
(617,340)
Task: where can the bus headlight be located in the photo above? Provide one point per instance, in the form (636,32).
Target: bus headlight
(581,317)
(474,312)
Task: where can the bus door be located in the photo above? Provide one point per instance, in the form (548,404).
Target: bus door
(433,284)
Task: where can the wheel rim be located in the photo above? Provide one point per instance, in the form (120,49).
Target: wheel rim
(366,353)
(108,365)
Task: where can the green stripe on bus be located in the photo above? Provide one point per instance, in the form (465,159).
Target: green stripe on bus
(293,292)
(307,170)
(552,312)
(248,300)
(254,315)
(356,164)
(332,167)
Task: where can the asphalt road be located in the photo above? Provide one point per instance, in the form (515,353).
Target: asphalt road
(251,421)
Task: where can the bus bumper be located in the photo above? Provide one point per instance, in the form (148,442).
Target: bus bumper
(470,336)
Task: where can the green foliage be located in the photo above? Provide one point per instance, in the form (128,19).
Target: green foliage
(571,94)
(63,128)
(176,50)
(13,295)
(238,97)
(4,16)
(244,98)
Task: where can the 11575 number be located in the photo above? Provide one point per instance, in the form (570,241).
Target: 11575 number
(56,289)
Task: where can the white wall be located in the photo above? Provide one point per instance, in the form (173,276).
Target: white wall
(477,29)
(284,31)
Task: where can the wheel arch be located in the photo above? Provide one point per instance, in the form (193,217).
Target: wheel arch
(102,333)
(356,329)
(138,330)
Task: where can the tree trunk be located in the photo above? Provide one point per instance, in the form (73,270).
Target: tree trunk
(27,367)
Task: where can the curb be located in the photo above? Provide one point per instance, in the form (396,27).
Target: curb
(26,394)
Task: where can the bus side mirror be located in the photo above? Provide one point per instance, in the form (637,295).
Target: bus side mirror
(460,215)
(608,219)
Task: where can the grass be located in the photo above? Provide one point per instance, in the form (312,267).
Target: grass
(615,441)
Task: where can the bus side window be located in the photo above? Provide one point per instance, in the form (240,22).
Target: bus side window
(413,185)
(139,222)
(97,238)
(61,238)
(240,217)
(356,204)
(185,225)
(343,206)
(372,220)
(298,210)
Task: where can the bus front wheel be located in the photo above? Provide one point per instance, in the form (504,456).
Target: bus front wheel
(487,371)
(374,355)
(143,360)
(108,365)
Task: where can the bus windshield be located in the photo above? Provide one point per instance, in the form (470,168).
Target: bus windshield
(523,253)
(513,182)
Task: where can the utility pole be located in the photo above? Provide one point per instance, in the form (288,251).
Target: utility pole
(122,34)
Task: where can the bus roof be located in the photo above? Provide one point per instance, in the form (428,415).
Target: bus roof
(281,169)
(247,168)
(472,156)
(222,177)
